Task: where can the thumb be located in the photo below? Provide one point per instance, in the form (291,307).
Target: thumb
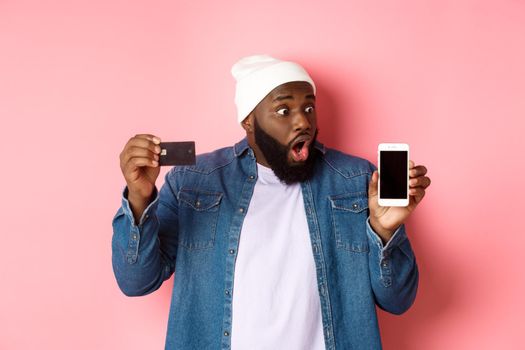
(372,185)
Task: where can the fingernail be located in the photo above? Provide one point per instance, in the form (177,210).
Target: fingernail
(156,140)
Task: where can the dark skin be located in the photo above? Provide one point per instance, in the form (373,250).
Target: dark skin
(140,167)
(285,113)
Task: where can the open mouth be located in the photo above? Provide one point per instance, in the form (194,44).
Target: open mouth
(300,148)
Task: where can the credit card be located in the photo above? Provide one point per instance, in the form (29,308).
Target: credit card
(177,153)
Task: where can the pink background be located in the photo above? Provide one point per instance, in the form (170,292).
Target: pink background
(78,79)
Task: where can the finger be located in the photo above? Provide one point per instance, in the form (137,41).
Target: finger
(138,143)
(419,170)
(150,137)
(411,164)
(135,151)
(418,193)
(372,186)
(137,162)
(421,181)
(143,142)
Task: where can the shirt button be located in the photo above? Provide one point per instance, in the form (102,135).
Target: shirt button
(232,251)
(384,264)
(252,177)
(241,210)
(227,292)
(134,236)
(226,334)
(355,206)
(197,204)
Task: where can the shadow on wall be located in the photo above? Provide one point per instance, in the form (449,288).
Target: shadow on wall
(338,115)
(328,116)
(439,282)
(438,294)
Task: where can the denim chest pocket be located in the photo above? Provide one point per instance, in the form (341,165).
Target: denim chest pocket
(198,215)
(349,214)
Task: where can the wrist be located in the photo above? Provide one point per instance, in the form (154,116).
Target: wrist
(383,233)
(138,204)
(139,197)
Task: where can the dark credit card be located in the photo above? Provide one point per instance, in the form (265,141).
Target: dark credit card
(177,153)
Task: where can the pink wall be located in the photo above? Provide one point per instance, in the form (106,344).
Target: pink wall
(77,80)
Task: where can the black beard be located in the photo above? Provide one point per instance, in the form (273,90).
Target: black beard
(276,155)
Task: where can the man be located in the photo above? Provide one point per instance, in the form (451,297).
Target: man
(276,242)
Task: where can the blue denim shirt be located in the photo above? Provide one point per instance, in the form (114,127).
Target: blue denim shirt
(192,229)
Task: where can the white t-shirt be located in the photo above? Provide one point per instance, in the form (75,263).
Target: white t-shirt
(275,297)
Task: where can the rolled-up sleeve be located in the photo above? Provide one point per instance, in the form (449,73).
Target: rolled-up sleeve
(393,270)
(144,253)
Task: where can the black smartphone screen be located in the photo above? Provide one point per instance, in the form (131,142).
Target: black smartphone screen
(393,174)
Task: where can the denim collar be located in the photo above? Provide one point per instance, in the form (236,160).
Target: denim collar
(240,147)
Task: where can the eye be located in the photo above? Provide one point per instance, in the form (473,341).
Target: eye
(309,109)
(283,111)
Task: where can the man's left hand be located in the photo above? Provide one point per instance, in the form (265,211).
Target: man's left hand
(386,220)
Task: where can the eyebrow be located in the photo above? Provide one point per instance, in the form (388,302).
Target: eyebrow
(312,97)
(283,97)
(290,97)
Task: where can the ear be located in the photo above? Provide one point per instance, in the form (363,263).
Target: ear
(248,122)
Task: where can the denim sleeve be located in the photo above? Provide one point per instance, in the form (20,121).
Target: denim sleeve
(143,254)
(393,271)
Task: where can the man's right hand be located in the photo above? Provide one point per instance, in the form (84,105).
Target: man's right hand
(140,167)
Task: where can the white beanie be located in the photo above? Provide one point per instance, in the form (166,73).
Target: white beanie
(258,75)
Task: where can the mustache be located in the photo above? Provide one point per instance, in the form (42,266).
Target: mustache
(305,133)
(298,136)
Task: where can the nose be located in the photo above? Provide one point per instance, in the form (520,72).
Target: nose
(301,122)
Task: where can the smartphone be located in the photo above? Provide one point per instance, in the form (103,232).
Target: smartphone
(177,153)
(393,174)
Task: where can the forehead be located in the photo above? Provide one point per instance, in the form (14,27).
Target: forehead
(294,88)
